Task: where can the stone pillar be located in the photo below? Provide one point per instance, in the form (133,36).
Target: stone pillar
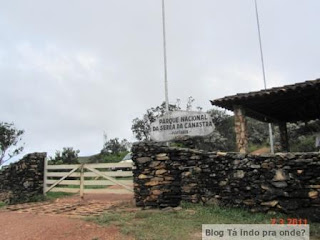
(283,137)
(241,129)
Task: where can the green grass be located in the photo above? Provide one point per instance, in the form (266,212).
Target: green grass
(49,196)
(86,186)
(41,197)
(55,195)
(184,224)
(2,204)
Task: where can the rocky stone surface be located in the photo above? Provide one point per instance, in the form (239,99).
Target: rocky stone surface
(241,129)
(21,181)
(285,182)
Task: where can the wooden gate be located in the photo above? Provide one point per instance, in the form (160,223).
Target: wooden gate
(88,178)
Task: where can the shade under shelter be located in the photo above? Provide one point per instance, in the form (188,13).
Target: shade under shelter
(289,103)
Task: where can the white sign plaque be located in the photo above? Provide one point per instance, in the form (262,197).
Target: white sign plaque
(177,124)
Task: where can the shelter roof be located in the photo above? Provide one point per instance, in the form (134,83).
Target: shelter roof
(289,103)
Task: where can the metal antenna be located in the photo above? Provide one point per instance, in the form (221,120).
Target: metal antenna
(165,57)
(263,72)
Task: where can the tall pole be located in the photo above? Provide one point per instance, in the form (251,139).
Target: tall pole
(263,72)
(165,56)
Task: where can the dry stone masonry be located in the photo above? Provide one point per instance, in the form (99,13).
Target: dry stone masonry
(241,129)
(284,182)
(23,180)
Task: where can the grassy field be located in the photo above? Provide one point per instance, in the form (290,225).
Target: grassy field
(184,224)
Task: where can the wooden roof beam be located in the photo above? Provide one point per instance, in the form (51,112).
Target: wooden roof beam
(260,116)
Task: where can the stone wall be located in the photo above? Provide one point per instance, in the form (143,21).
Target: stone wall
(285,182)
(21,181)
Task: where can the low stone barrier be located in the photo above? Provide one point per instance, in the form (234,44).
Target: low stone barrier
(21,181)
(285,182)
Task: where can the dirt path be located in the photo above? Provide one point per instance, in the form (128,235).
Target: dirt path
(34,223)
(261,151)
(28,226)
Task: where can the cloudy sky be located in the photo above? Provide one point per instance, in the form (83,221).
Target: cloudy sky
(71,70)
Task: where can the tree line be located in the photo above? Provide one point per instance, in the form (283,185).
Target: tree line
(301,137)
(301,134)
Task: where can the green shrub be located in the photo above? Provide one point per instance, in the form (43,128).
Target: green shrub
(304,144)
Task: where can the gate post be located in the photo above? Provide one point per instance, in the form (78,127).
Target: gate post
(81,180)
(45,177)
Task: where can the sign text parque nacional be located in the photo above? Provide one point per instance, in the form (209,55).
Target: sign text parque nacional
(177,124)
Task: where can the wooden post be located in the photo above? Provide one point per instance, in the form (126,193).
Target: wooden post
(241,129)
(81,181)
(284,141)
(45,177)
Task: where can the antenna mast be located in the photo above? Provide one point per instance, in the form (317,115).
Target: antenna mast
(165,56)
(263,72)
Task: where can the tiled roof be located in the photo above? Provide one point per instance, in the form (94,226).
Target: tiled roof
(290,103)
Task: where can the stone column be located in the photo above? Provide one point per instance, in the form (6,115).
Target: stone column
(283,137)
(241,129)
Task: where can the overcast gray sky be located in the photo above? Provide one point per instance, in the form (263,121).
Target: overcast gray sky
(71,70)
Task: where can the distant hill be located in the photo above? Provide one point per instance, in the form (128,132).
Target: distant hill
(91,159)
(85,159)
(102,158)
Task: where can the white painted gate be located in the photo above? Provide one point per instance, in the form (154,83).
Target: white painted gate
(88,178)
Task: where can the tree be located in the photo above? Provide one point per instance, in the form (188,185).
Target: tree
(114,146)
(224,137)
(67,156)
(302,135)
(9,139)
(126,144)
(141,127)
(113,150)
(258,132)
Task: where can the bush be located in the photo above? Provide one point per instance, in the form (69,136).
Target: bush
(304,144)
(111,158)
(67,156)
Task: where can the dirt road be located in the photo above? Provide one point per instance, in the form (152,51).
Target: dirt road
(26,224)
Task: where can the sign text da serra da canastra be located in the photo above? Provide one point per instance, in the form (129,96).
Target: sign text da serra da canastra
(174,125)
